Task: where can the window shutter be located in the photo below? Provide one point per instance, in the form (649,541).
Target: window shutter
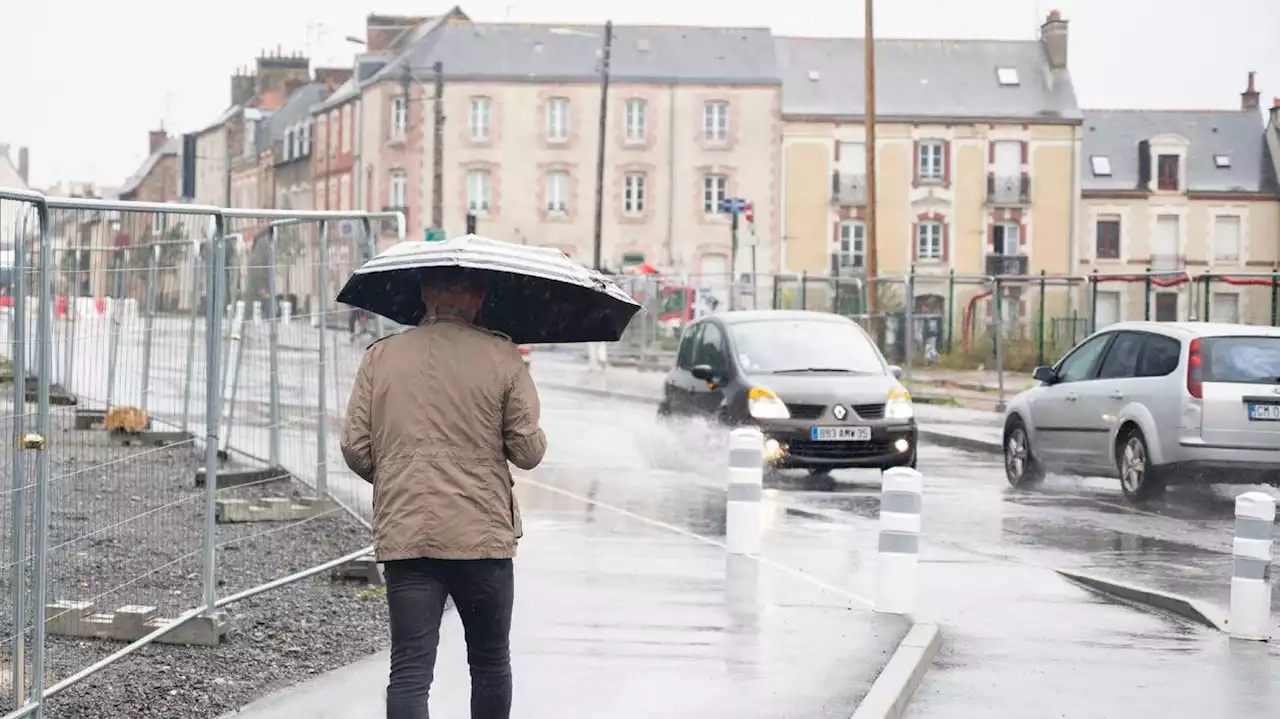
(991,237)
(915,172)
(1026,152)
(835,237)
(915,241)
(1022,236)
(838,143)
(991,153)
(946,165)
(1144,164)
(946,233)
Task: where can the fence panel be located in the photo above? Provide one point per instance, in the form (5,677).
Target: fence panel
(1248,297)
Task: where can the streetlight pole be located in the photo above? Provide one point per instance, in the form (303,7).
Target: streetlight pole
(870,152)
(604,125)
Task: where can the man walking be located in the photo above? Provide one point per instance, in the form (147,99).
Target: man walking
(436,413)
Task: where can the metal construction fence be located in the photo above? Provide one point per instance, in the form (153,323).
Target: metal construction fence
(998,321)
(170,415)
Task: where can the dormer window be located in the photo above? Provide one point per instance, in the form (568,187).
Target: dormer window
(1167,173)
(1222,162)
(1101,165)
(1007,76)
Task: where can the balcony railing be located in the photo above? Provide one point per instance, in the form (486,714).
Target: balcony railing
(848,189)
(387,227)
(1168,262)
(1007,265)
(1008,190)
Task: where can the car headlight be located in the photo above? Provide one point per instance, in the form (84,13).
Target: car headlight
(763,404)
(899,405)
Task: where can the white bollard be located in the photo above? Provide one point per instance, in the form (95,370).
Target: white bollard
(746,480)
(239,315)
(901,498)
(286,312)
(1251,578)
(257,313)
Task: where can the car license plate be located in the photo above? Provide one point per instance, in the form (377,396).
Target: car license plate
(840,434)
(1264,412)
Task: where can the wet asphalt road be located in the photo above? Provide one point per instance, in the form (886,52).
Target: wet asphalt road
(1019,641)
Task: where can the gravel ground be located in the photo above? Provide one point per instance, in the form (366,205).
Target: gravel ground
(125,528)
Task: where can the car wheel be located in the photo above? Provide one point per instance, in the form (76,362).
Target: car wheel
(1139,480)
(1020,465)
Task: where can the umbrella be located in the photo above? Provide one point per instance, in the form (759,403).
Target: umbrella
(534,294)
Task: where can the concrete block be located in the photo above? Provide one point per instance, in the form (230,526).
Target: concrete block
(235,478)
(197,631)
(130,621)
(150,438)
(270,509)
(364,569)
(65,616)
(90,418)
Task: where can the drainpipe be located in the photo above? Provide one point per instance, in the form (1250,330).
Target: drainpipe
(1073,246)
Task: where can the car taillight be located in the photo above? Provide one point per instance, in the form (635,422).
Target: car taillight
(1195,385)
(525,349)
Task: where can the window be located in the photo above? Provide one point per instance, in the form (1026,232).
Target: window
(557,192)
(1226,238)
(398,189)
(478,191)
(711,349)
(636,110)
(1166,307)
(1007,75)
(346,128)
(931,160)
(331,130)
(1224,307)
(633,194)
(929,240)
(1122,359)
(344,192)
(306,137)
(766,346)
(558,118)
(1251,360)
(715,188)
(1167,173)
(286,151)
(1222,162)
(1005,238)
(1108,237)
(1160,356)
(1079,364)
(1101,165)
(852,245)
(250,133)
(684,356)
(715,121)
(480,117)
(399,117)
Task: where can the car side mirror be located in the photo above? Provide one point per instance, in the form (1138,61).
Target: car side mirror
(702,372)
(1045,375)
(896,371)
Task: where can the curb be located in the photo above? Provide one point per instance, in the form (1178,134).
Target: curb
(946,439)
(1189,609)
(892,691)
(608,394)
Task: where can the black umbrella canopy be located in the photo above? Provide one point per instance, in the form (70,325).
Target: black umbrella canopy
(533,294)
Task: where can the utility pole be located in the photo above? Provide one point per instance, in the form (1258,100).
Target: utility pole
(437,152)
(604,126)
(870,66)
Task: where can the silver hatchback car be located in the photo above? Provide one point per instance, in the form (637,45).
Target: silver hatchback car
(1153,403)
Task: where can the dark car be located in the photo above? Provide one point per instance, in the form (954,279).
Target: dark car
(814,383)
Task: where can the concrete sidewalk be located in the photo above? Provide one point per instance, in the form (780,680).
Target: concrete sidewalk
(618,616)
(972,430)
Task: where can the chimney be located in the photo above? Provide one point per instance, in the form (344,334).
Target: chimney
(242,88)
(24,165)
(1275,114)
(1053,36)
(387,32)
(1249,99)
(158,139)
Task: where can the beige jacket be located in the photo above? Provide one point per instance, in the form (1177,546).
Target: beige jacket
(435,415)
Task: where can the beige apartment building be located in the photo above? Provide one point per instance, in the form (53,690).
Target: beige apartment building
(1180,217)
(976,149)
(693,118)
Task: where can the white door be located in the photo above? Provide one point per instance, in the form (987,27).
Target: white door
(853,158)
(1008,159)
(1107,311)
(1165,247)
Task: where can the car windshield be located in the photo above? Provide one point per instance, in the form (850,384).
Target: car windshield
(795,346)
(1242,359)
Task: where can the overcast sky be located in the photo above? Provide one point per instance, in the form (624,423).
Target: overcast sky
(85,80)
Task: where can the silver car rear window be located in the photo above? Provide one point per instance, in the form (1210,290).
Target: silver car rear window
(1253,360)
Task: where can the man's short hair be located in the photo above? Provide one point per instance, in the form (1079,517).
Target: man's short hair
(453,279)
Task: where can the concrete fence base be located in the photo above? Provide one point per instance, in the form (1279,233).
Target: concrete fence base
(271,509)
(364,569)
(130,623)
(227,478)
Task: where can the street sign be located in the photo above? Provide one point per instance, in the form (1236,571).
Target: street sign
(434,235)
(734,205)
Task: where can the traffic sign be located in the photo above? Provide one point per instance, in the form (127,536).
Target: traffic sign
(434,235)
(734,205)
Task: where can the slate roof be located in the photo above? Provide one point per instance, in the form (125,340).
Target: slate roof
(1239,135)
(296,107)
(172,147)
(825,77)
(508,52)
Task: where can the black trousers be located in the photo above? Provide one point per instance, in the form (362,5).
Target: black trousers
(483,592)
